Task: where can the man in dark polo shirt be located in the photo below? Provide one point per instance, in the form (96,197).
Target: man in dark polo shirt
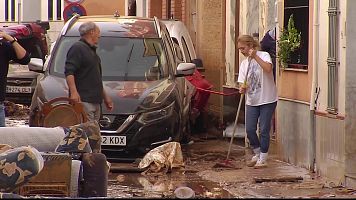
(83,72)
(10,49)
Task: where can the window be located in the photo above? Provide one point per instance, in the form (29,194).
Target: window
(300,11)
(169,47)
(186,51)
(123,59)
(170,55)
(177,50)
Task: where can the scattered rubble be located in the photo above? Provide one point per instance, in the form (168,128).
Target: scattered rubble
(16,110)
(278,179)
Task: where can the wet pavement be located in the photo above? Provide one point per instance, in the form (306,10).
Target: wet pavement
(209,180)
(130,185)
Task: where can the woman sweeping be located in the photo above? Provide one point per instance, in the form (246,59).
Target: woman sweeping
(256,82)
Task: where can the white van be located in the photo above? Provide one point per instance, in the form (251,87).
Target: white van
(185,52)
(180,35)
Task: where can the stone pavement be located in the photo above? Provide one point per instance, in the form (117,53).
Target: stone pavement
(278,180)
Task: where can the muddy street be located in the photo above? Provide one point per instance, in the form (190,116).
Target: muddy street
(206,179)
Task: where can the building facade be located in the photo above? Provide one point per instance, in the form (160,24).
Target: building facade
(315,115)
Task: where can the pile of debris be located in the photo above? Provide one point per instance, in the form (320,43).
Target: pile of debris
(16,110)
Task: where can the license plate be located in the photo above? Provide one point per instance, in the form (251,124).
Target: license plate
(17,89)
(113,140)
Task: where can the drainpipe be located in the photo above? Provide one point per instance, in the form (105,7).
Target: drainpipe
(314,88)
(316,25)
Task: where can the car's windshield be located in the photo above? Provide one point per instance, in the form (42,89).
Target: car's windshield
(129,59)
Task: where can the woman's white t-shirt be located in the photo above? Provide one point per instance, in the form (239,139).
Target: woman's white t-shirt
(261,88)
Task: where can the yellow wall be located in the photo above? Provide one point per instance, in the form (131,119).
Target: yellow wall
(106,7)
(210,46)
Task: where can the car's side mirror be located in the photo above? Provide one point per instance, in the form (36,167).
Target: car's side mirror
(185,69)
(35,64)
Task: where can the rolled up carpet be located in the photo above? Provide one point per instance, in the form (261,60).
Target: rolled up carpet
(43,139)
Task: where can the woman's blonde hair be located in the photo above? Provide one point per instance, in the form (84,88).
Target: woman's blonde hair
(249,40)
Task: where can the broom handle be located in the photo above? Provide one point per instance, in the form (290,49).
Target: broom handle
(235,125)
(238,112)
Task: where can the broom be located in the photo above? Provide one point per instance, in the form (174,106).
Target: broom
(227,162)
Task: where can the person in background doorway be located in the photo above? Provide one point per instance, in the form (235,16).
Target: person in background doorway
(10,50)
(83,72)
(268,44)
(256,81)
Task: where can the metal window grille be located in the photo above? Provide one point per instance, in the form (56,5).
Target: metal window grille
(59,9)
(332,56)
(6,10)
(12,10)
(50,9)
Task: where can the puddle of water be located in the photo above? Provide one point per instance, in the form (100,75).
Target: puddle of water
(126,185)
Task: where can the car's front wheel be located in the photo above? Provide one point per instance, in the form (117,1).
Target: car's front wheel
(178,127)
(186,129)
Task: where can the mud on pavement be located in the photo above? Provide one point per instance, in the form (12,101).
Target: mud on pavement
(278,180)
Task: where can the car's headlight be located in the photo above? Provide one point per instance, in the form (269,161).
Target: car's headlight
(156,115)
(126,123)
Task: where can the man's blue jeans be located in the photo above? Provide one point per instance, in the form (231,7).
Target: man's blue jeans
(264,113)
(2,114)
